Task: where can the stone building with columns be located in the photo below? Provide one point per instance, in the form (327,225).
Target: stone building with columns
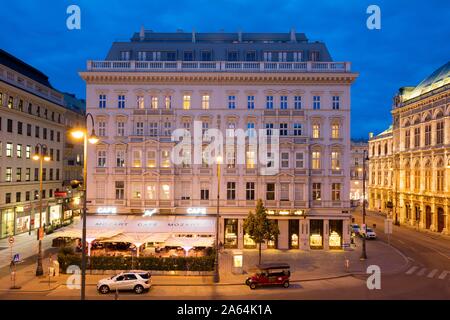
(270,83)
(410,164)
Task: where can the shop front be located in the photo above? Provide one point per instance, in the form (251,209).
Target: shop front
(316,234)
(55,214)
(23,219)
(335,234)
(231,233)
(7,222)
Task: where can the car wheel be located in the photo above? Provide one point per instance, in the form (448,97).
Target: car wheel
(286,284)
(138,289)
(104,289)
(247,282)
(252,286)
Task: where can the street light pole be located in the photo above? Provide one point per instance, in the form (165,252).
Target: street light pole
(83,133)
(216,259)
(40,157)
(364,254)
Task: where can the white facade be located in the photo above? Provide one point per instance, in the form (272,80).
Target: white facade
(356,172)
(135,112)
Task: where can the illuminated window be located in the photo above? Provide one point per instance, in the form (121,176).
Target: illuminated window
(151,159)
(151,192)
(8,176)
(9,149)
(165,192)
(168,102)
(137,161)
(316,160)
(335,191)
(205,102)
(335,131)
(250,161)
(101,158)
(316,131)
(120,158)
(335,160)
(317,191)
(165,158)
(186,102)
(154,102)
(140,102)
(136,191)
(19,151)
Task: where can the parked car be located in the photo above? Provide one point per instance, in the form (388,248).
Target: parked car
(138,281)
(270,274)
(355,228)
(369,234)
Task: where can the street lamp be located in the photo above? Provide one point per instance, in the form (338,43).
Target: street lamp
(41,156)
(93,139)
(363,253)
(216,259)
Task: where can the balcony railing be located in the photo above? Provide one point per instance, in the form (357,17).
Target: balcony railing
(218,66)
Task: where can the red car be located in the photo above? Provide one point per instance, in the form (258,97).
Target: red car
(270,274)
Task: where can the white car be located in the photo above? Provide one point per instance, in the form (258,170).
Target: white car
(370,234)
(138,281)
(355,228)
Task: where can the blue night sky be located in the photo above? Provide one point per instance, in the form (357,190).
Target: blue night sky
(414,39)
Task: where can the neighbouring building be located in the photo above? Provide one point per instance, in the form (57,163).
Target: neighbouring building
(32,112)
(414,156)
(356,172)
(156,83)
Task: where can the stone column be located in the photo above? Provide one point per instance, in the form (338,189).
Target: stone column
(433,226)
(283,237)
(240,234)
(326,234)
(304,234)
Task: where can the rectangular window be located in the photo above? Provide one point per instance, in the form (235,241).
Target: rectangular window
(19,151)
(10,102)
(315,160)
(231,102)
(154,101)
(121,101)
(335,131)
(299,161)
(120,158)
(167,129)
(185,190)
(102,128)
(140,102)
(102,101)
(120,190)
(27,196)
(9,149)
(297,56)
(51,174)
(250,191)
(335,191)
(251,132)
(297,102)
(285,160)
(283,102)
(151,159)
(205,102)
(204,191)
(165,192)
(188,56)
(151,192)
(428,135)
(232,56)
(9,125)
(28,130)
(142,55)
(250,102)
(335,160)
(231,190)
(299,191)
(417,137)
(283,129)
(269,129)
(165,158)
(19,127)
(270,191)
(250,56)
(316,131)
(36,174)
(121,128)
(336,102)
(27,174)
(186,102)
(8,175)
(52,135)
(136,190)
(124,55)
(153,129)
(317,191)
(206,55)
(168,102)
(407,139)
(101,158)
(284,192)
(44,133)
(250,159)
(139,128)
(267,56)
(269,102)
(282,56)
(297,129)
(440,132)
(18,174)
(58,136)
(316,102)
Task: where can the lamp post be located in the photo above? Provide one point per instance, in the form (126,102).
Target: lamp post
(363,253)
(216,259)
(93,139)
(41,157)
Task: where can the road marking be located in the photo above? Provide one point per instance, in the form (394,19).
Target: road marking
(422,272)
(432,273)
(401,241)
(412,270)
(443,275)
(412,248)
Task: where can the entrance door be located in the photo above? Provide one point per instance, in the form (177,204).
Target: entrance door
(427,217)
(440,213)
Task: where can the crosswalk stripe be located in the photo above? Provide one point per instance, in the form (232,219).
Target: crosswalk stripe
(443,275)
(432,273)
(412,270)
(422,272)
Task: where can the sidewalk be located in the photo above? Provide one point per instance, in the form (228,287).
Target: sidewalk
(305,266)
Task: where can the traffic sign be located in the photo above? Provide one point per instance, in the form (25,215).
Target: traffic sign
(16,258)
(11,240)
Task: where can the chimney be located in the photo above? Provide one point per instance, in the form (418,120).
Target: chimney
(293,35)
(142,33)
(193,35)
(240,35)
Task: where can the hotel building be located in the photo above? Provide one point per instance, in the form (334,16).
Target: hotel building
(31,113)
(155,83)
(410,162)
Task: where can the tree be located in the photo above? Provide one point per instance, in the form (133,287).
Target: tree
(259,227)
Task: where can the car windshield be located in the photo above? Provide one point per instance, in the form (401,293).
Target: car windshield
(144,275)
(369,230)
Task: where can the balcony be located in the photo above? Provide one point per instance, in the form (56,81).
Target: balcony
(217,66)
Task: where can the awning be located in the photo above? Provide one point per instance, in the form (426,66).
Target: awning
(137,238)
(91,234)
(189,242)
